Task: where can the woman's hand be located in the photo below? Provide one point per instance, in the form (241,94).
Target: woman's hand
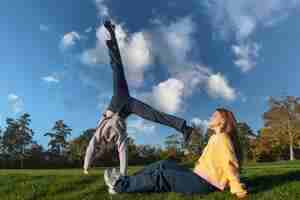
(241,194)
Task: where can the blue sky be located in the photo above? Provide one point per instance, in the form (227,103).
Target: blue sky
(183,58)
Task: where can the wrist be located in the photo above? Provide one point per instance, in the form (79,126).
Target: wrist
(241,194)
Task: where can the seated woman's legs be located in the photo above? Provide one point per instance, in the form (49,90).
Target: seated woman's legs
(161,165)
(157,179)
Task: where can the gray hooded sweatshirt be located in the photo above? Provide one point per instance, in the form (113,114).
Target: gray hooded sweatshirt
(109,129)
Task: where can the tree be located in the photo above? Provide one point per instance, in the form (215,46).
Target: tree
(78,145)
(197,140)
(2,154)
(209,132)
(58,137)
(245,135)
(36,153)
(267,147)
(283,119)
(173,142)
(17,137)
(174,146)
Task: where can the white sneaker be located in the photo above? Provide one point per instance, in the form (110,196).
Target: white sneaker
(111,177)
(112,191)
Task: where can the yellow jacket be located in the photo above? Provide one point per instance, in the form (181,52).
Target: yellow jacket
(218,164)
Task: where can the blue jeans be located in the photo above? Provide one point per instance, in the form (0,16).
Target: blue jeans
(164,176)
(126,105)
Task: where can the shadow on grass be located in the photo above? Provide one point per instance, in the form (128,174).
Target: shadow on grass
(74,185)
(262,183)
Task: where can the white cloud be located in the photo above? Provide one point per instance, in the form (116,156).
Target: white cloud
(194,77)
(93,57)
(241,18)
(16,103)
(102,8)
(88,30)
(172,43)
(168,95)
(137,57)
(44,27)
(246,55)
(51,79)
(141,126)
(69,39)
(135,50)
(199,122)
(218,86)
(245,27)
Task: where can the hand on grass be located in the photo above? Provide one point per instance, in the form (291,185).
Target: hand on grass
(241,194)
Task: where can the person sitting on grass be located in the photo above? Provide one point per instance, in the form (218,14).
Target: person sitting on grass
(217,168)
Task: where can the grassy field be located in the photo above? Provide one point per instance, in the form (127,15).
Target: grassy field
(272,181)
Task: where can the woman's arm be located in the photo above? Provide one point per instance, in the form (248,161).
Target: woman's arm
(231,168)
(89,154)
(123,156)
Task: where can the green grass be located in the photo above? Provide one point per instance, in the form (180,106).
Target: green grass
(272,181)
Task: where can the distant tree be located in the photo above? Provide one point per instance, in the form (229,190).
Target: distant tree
(2,149)
(283,120)
(132,150)
(197,140)
(174,147)
(245,134)
(78,145)
(17,137)
(146,151)
(58,137)
(36,153)
(173,141)
(268,147)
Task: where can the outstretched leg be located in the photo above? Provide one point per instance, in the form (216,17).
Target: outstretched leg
(161,165)
(147,112)
(120,87)
(163,176)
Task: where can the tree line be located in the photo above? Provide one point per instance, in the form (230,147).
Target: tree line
(278,139)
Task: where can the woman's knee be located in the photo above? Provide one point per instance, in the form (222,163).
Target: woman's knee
(165,163)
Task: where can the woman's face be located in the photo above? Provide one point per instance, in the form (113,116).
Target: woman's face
(215,120)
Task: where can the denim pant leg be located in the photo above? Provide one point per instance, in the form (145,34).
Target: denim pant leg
(120,87)
(149,113)
(148,179)
(143,182)
(161,165)
(168,180)
(164,176)
(186,182)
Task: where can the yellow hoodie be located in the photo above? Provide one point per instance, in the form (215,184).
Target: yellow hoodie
(218,164)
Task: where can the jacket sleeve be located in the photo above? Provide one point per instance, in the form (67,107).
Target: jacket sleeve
(90,151)
(230,166)
(123,156)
